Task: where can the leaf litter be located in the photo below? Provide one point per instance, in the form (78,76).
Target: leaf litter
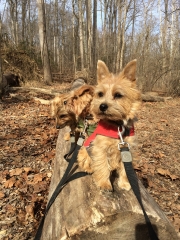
(158,163)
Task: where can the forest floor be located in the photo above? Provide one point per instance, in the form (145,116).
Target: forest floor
(27,150)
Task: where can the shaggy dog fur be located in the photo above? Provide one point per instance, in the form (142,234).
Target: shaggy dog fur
(61,111)
(69,108)
(116,101)
(61,106)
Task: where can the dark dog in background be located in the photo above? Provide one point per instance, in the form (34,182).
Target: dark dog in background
(9,80)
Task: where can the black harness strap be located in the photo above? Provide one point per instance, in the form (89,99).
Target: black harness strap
(67,177)
(133,180)
(72,148)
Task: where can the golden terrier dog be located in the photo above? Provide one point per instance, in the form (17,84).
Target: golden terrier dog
(61,111)
(73,108)
(61,106)
(115,103)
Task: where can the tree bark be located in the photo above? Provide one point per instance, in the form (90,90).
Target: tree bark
(1,75)
(43,42)
(40,90)
(125,8)
(89,32)
(81,211)
(94,41)
(81,37)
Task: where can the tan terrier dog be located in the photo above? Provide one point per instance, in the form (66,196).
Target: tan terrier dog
(69,109)
(115,103)
(61,111)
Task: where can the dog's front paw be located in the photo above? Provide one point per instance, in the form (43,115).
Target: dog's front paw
(106,192)
(124,184)
(105,186)
(84,161)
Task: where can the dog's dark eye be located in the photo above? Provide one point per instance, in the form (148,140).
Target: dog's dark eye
(65,102)
(62,116)
(100,94)
(117,95)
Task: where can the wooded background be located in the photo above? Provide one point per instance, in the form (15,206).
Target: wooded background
(68,36)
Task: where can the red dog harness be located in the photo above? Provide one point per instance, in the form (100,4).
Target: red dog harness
(108,131)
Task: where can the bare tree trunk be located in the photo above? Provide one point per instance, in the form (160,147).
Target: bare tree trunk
(0,60)
(119,33)
(114,18)
(23,18)
(163,30)
(43,42)
(16,24)
(89,32)
(29,33)
(14,15)
(94,58)
(81,37)
(133,27)
(73,44)
(104,29)
(173,32)
(125,8)
(55,31)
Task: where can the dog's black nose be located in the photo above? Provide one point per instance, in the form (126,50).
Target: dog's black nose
(103,107)
(57,127)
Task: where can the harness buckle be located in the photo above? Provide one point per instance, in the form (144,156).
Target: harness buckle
(122,142)
(85,127)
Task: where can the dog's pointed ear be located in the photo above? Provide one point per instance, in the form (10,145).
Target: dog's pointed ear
(102,71)
(82,90)
(129,70)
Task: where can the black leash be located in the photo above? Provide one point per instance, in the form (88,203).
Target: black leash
(72,147)
(133,180)
(67,177)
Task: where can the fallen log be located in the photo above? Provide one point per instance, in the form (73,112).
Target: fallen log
(82,212)
(152,98)
(145,97)
(42,101)
(39,90)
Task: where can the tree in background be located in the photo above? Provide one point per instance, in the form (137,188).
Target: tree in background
(79,33)
(43,42)
(0,61)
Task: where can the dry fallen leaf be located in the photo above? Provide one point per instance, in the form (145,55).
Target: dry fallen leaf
(27,169)
(21,217)
(2,195)
(167,173)
(44,136)
(163,171)
(161,155)
(29,211)
(16,172)
(176,221)
(10,182)
(10,208)
(39,187)
(38,178)
(173,177)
